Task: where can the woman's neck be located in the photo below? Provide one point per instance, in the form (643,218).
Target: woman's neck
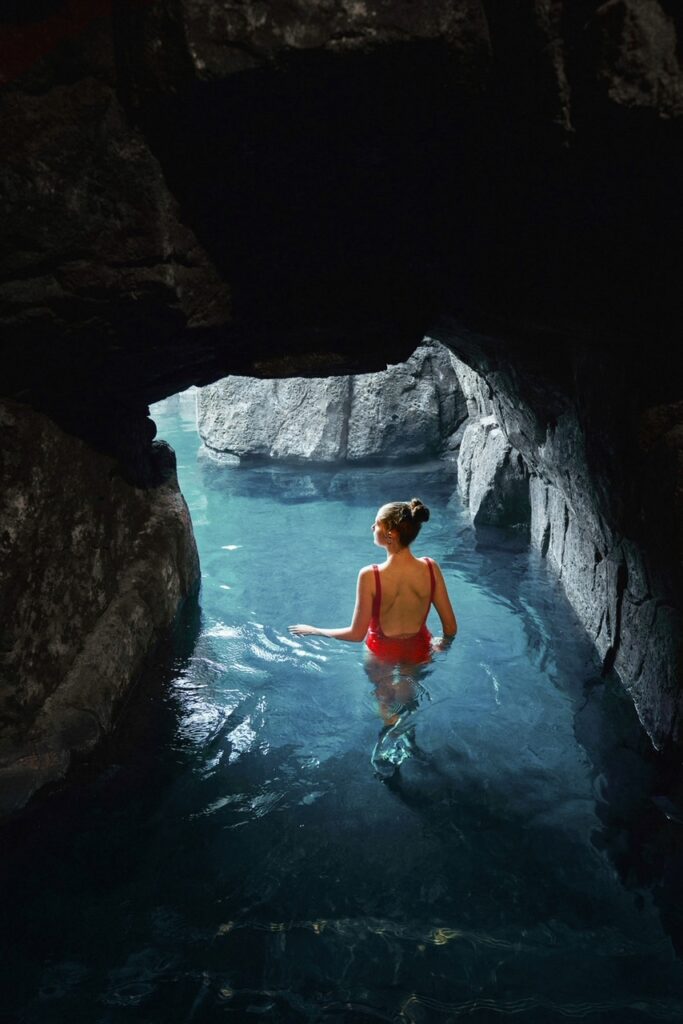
(402,555)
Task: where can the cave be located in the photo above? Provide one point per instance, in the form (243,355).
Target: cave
(308,191)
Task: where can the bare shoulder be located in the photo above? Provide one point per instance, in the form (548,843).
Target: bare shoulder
(366,581)
(435,566)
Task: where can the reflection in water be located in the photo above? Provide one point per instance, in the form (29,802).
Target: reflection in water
(399,691)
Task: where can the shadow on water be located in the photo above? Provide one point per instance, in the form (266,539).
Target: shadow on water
(638,800)
(638,792)
(126,763)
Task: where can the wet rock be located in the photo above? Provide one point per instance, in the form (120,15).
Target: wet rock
(93,571)
(558,534)
(408,411)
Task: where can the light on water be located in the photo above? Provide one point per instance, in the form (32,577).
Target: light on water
(236,853)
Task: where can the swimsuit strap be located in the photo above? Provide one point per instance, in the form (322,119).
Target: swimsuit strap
(433,579)
(377,599)
(431,576)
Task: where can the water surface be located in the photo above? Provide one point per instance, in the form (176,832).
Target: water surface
(233,855)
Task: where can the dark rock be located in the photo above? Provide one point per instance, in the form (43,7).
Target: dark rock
(586,492)
(415,158)
(93,571)
(637,57)
(95,252)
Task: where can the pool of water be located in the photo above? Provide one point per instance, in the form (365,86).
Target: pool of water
(233,854)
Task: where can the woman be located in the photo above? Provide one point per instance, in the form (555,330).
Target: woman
(392,604)
(393,600)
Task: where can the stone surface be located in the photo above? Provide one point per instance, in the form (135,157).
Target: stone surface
(138,254)
(492,477)
(278,419)
(624,588)
(637,55)
(235,36)
(408,411)
(94,245)
(92,571)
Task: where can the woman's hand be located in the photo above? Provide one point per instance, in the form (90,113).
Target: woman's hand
(303,630)
(440,644)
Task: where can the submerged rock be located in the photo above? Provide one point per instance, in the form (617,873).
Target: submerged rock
(407,411)
(93,572)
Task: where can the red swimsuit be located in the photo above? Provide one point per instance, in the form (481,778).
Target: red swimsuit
(416,647)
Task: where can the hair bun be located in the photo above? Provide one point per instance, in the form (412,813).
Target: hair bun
(419,511)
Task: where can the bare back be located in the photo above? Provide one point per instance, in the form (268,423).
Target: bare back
(406,597)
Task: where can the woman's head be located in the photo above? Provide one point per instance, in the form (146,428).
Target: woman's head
(403,519)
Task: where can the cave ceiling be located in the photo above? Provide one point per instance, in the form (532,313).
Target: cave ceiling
(190,189)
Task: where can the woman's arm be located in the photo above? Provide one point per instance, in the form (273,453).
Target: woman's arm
(361,615)
(442,603)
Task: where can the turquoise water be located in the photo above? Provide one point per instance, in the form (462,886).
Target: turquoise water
(234,855)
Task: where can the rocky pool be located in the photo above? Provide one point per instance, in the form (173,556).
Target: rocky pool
(233,855)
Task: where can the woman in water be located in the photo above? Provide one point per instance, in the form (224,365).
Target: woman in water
(392,605)
(393,600)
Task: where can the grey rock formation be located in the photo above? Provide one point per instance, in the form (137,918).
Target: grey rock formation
(622,594)
(279,419)
(635,626)
(408,411)
(492,477)
(92,571)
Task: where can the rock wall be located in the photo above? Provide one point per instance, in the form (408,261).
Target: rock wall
(493,480)
(409,411)
(92,571)
(519,438)
(492,477)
